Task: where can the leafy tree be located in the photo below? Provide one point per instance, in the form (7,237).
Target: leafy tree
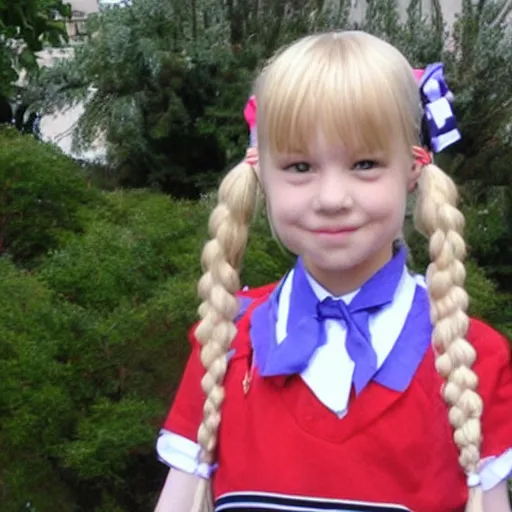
(419,37)
(26,26)
(478,64)
(143,94)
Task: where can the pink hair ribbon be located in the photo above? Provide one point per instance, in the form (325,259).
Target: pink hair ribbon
(250,117)
(251,155)
(418,74)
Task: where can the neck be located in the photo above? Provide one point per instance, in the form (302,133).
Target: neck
(345,281)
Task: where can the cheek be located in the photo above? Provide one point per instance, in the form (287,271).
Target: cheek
(285,202)
(280,214)
(284,213)
(280,220)
(273,205)
(387,202)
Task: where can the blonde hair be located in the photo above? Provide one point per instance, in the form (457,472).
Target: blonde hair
(362,91)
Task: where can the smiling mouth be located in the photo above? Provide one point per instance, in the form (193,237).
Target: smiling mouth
(334,231)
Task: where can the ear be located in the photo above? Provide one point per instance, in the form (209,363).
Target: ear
(414,175)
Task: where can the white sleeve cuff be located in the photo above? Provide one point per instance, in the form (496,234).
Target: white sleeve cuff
(496,470)
(181,453)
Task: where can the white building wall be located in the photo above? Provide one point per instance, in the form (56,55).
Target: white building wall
(85,6)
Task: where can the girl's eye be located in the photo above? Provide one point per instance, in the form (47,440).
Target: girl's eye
(365,165)
(300,167)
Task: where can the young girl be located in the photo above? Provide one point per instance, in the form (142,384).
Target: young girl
(350,385)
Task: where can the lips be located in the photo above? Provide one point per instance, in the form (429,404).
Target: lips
(334,231)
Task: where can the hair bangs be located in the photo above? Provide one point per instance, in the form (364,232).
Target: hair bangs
(334,85)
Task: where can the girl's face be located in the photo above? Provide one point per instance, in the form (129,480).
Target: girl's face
(339,210)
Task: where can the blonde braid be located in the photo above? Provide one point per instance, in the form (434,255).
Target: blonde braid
(221,260)
(437,217)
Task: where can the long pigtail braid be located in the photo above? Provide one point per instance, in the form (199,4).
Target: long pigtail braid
(437,217)
(221,260)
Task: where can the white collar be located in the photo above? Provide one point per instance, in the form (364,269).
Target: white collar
(330,371)
(321,293)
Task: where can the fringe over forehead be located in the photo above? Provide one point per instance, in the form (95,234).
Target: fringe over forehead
(354,88)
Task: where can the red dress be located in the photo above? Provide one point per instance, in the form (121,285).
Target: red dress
(279,448)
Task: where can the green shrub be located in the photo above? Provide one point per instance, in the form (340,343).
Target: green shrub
(35,410)
(134,241)
(41,192)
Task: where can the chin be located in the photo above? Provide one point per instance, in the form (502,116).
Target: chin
(335,261)
(342,259)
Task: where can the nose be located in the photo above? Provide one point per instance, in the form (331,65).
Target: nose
(334,191)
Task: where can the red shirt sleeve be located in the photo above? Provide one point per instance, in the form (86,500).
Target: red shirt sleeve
(186,412)
(494,369)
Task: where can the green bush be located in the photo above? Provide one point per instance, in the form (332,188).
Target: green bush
(35,411)
(41,192)
(97,340)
